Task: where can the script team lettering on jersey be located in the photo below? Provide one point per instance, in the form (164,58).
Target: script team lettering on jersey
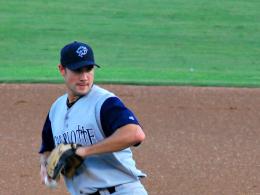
(81,135)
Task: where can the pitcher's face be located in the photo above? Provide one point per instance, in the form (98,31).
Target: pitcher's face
(78,82)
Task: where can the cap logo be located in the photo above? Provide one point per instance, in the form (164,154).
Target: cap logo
(81,51)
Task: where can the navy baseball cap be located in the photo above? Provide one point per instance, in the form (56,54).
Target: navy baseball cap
(76,55)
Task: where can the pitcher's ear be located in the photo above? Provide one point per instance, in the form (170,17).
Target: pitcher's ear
(62,69)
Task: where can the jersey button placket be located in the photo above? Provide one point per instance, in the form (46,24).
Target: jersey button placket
(66,124)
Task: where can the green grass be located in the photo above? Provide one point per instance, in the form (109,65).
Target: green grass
(167,42)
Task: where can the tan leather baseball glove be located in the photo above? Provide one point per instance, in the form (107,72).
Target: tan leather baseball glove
(63,159)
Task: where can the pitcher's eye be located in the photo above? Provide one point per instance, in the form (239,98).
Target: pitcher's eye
(84,69)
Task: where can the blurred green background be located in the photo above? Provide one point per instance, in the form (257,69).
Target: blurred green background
(150,42)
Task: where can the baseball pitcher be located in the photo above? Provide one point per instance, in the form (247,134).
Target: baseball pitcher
(88,132)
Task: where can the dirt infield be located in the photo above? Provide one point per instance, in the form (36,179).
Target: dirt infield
(200,141)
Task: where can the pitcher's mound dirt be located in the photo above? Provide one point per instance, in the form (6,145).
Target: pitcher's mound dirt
(200,141)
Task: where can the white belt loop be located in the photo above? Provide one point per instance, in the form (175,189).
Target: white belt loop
(104,192)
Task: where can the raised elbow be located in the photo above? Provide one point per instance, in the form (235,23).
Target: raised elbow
(139,136)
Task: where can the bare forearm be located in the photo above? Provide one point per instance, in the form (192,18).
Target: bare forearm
(123,138)
(43,158)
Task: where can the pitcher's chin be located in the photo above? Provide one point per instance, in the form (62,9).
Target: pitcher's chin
(82,90)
